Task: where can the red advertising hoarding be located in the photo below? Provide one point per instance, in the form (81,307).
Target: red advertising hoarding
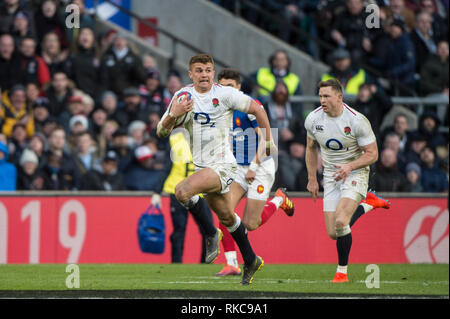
(103,229)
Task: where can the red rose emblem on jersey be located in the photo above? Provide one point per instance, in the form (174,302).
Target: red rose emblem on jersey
(238,121)
(215,102)
(347,130)
(260,189)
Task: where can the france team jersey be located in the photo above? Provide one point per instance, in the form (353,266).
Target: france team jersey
(245,140)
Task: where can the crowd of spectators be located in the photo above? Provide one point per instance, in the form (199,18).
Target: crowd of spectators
(79,110)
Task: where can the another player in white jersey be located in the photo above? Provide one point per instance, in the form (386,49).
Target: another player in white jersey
(348,147)
(209,125)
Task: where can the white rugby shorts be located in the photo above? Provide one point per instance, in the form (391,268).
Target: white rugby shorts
(355,187)
(260,188)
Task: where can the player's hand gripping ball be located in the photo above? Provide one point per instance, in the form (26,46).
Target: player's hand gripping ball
(182,118)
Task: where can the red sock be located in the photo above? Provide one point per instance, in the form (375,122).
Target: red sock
(227,239)
(268,211)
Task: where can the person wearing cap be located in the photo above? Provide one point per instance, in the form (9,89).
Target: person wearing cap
(416,144)
(30,176)
(413,175)
(21,27)
(141,174)
(121,145)
(14,110)
(429,127)
(120,68)
(343,70)
(137,132)
(105,178)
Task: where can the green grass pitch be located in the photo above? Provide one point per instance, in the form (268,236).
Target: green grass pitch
(184,280)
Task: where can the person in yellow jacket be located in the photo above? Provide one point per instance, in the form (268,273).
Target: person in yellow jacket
(14,110)
(342,70)
(278,70)
(181,168)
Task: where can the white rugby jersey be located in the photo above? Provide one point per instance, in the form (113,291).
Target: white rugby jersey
(339,137)
(210,123)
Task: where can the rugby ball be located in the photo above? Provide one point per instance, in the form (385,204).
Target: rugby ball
(182,118)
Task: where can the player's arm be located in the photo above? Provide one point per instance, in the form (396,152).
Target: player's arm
(369,157)
(311,156)
(264,125)
(175,109)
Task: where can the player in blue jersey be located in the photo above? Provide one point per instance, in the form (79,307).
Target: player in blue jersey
(254,177)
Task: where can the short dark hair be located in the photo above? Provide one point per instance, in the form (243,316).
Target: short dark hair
(201,58)
(333,83)
(230,74)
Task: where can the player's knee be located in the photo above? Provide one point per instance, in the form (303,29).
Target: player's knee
(251,224)
(340,223)
(181,194)
(332,234)
(227,220)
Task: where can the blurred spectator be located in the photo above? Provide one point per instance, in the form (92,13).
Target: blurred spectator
(106,177)
(58,93)
(106,39)
(18,142)
(349,30)
(374,104)
(8,172)
(434,75)
(416,145)
(14,110)
(141,174)
(108,102)
(47,20)
(387,177)
(54,56)
(99,118)
(266,78)
(283,115)
(153,93)
(40,115)
(49,125)
(32,93)
(429,127)
(30,176)
(401,128)
(148,61)
(120,68)
(173,84)
(8,10)
(105,137)
(39,145)
(413,176)
(61,171)
(86,21)
(85,63)
(134,109)
(121,146)
(32,67)
(21,28)
(433,178)
(85,155)
(137,133)
(398,10)
(392,142)
(423,39)
(399,62)
(343,70)
(75,107)
(438,24)
(9,62)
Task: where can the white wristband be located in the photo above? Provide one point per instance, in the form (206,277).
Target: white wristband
(253,166)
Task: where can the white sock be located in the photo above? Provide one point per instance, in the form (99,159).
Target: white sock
(367,207)
(236,223)
(277,201)
(231,258)
(342,269)
(191,202)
